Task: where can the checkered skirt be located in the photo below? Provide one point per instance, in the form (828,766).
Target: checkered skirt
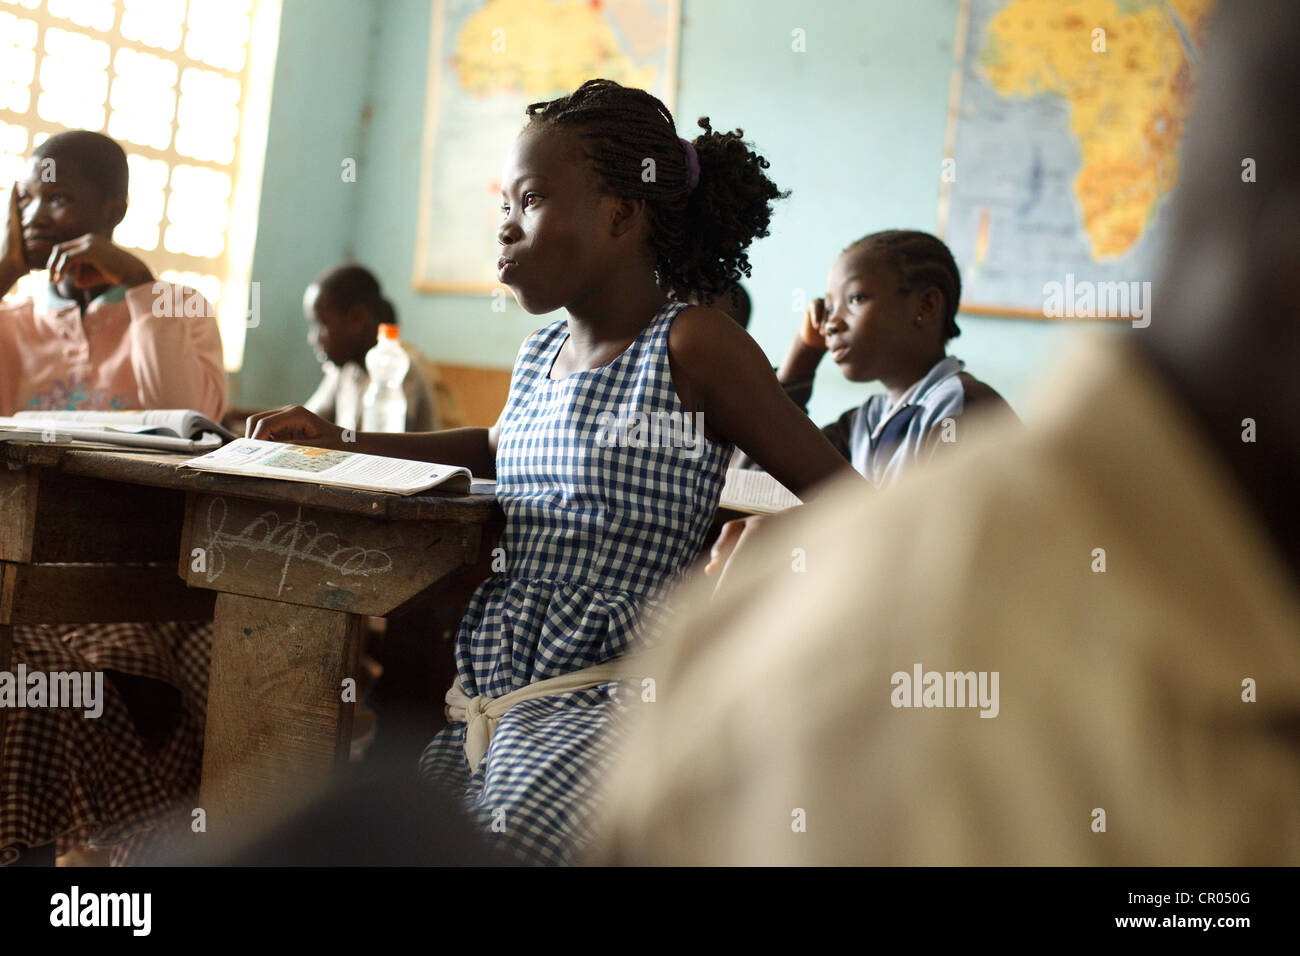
(78,780)
(608,498)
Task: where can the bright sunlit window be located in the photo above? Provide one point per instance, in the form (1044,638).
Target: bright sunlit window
(184,86)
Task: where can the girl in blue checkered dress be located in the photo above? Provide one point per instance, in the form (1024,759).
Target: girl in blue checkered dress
(611,451)
(595,528)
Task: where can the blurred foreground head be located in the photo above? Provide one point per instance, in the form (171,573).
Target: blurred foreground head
(1230,287)
(1076,644)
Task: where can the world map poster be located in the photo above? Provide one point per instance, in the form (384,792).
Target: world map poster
(488,60)
(1064,131)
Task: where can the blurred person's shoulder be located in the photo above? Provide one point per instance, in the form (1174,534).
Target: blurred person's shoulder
(1085,560)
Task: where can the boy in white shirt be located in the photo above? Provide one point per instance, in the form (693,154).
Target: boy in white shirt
(345,308)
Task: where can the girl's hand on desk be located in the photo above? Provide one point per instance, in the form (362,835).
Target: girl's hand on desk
(735,535)
(730,539)
(295,424)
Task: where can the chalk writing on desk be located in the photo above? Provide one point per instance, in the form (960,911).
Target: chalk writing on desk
(296,539)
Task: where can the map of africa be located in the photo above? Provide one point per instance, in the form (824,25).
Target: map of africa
(489,59)
(1064,140)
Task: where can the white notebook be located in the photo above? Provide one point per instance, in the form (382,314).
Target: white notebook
(328,466)
(158,429)
(755,492)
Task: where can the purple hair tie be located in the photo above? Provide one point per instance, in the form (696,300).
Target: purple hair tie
(692,166)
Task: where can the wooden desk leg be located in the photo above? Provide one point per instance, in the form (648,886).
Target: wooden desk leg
(276,723)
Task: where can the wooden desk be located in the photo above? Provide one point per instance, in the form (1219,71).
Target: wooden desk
(293,566)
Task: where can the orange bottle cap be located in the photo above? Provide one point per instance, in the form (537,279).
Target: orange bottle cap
(387,330)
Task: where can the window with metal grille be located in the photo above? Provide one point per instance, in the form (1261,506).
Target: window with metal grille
(184,87)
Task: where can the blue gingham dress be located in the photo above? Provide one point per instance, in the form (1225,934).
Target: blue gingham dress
(595,531)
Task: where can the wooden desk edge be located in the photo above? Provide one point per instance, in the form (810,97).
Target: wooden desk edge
(160,470)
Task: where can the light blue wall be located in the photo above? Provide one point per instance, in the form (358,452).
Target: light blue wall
(307,214)
(854,127)
(461,329)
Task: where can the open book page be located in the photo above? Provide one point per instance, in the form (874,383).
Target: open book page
(177,422)
(328,466)
(756,492)
(84,435)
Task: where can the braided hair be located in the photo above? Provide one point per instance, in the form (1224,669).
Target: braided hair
(698,236)
(922,261)
(350,284)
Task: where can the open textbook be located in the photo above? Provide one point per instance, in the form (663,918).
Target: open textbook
(328,466)
(160,429)
(755,492)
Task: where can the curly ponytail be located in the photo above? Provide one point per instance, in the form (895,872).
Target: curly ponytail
(699,236)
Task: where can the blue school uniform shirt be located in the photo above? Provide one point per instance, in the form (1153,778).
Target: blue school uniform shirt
(882,441)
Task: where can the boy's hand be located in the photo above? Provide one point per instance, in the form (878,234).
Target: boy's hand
(93,260)
(729,538)
(735,535)
(13,263)
(814,319)
(295,424)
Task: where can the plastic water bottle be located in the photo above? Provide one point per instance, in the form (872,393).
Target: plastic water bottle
(383,407)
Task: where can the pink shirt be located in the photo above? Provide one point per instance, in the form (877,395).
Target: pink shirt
(119,355)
